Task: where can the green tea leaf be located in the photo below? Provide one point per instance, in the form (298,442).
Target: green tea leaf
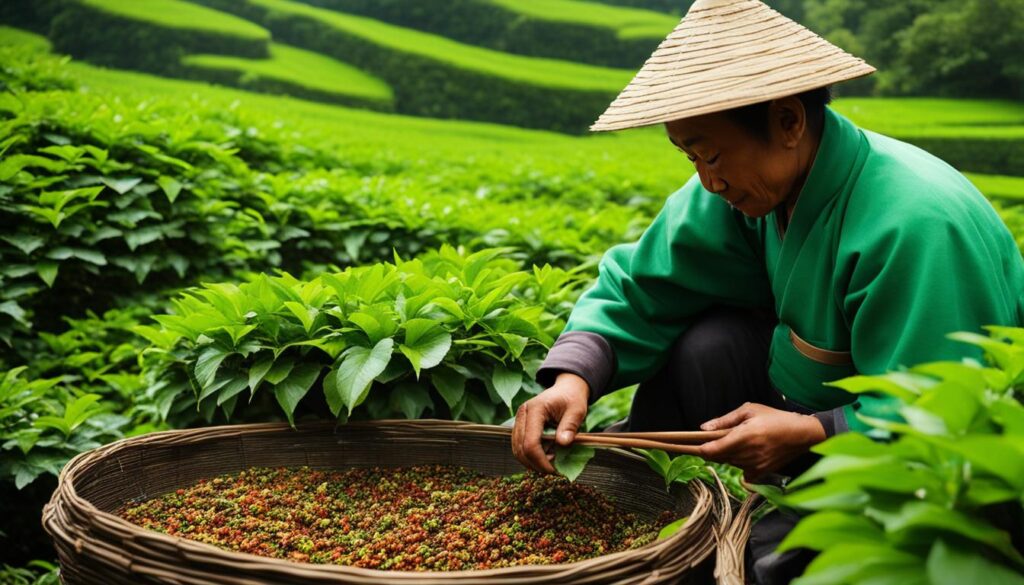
(451,385)
(356,371)
(26,243)
(291,390)
(170,187)
(48,272)
(281,369)
(948,565)
(506,383)
(410,399)
(426,344)
(672,528)
(822,530)
(570,461)
(207,363)
(259,369)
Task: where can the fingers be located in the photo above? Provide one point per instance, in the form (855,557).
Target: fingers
(723,450)
(532,451)
(731,419)
(572,418)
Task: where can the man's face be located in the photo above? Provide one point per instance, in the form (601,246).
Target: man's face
(753,174)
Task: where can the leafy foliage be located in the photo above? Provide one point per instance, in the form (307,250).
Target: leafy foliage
(45,422)
(452,333)
(940,496)
(35,573)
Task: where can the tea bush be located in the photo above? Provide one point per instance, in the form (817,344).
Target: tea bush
(459,335)
(938,496)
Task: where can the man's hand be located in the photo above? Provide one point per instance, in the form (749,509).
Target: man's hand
(564,403)
(761,439)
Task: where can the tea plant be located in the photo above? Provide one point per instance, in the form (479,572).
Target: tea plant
(44,423)
(938,497)
(459,335)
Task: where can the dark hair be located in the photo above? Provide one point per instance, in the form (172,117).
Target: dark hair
(754,118)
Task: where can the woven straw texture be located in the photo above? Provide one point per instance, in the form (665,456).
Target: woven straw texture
(725,54)
(95,546)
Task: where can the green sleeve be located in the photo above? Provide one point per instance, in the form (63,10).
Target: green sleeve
(697,252)
(913,278)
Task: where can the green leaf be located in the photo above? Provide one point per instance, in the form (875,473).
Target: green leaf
(855,444)
(306,315)
(207,363)
(27,244)
(291,390)
(657,460)
(570,461)
(259,369)
(822,530)
(356,371)
(451,385)
(862,384)
(143,236)
(672,528)
(947,565)
(48,272)
(14,310)
(850,562)
(377,324)
(683,468)
(930,518)
(280,370)
(231,389)
(122,186)
(410,399)
(426,344)
(170,187)
(506,383)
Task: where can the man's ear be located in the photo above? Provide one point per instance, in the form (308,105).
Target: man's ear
(789,120)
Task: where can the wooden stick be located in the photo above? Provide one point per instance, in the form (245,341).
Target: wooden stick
(603,440)
(681,437)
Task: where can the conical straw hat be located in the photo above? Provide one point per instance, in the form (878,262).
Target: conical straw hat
(725,54)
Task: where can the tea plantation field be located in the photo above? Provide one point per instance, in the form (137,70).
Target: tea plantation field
(279,191)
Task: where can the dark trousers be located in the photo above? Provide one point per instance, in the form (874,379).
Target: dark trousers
(719,363)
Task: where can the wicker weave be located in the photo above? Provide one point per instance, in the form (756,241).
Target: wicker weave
(95,546)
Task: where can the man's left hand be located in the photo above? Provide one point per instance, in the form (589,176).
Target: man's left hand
(761,439)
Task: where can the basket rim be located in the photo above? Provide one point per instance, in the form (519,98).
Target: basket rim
(217,555)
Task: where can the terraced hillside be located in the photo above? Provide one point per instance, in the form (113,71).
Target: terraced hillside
(572,30)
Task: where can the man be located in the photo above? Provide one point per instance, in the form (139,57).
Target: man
(804,250)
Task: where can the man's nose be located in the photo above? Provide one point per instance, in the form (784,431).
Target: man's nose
(712,182)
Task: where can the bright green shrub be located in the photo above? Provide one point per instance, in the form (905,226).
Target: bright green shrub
(34,573)
(504,28)
(121,33)
(939,499)
(453,334)
(44,423)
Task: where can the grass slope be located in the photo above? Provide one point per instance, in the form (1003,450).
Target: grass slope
(530,70)
(629,23)
(301,68)
(181,15)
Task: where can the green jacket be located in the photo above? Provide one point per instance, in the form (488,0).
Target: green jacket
(888,250)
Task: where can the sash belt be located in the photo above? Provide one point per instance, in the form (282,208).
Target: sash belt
(822,356)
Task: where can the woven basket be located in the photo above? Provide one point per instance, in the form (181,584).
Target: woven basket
(95,546)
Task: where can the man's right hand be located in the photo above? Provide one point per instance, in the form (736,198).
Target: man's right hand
(564,403)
